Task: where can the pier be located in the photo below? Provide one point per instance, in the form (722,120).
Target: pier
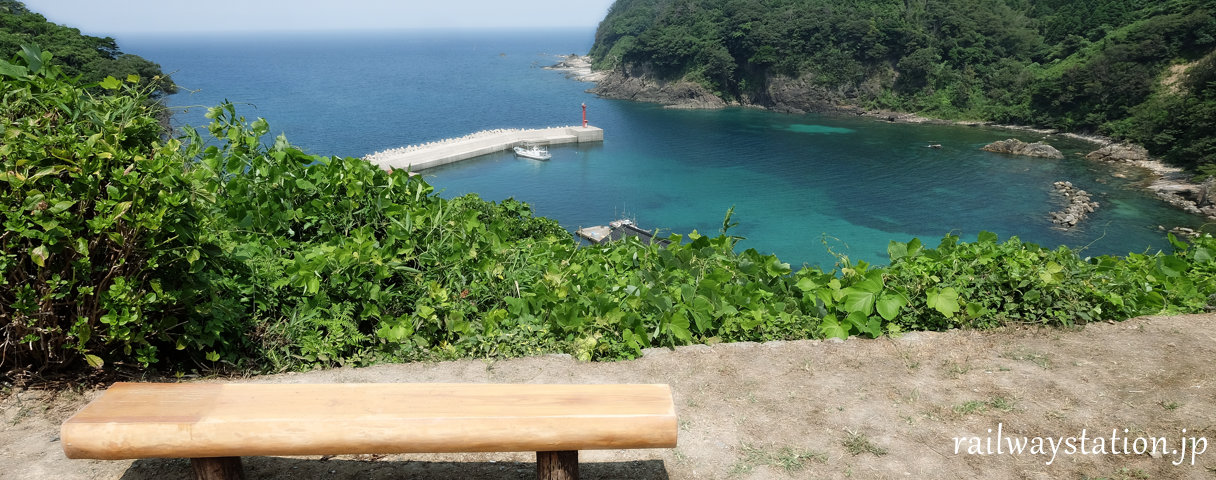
(443,152)
(617,230)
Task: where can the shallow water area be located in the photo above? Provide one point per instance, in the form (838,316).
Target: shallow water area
(800,184)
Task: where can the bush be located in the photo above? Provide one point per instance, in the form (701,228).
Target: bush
(99,218)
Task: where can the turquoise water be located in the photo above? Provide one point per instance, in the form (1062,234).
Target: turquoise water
(800,184)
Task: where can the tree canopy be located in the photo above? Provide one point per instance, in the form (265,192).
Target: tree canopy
(1113,67)
(91,58)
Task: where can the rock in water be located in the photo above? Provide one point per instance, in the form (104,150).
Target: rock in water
(1119,153)
(1014,146)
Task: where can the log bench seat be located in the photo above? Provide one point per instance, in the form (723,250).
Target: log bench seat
(215,424)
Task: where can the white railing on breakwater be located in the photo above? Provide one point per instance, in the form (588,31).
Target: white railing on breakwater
(442,152)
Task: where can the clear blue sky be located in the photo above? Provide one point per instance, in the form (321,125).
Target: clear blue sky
(96,17)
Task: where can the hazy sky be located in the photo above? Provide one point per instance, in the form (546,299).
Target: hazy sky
(96,17)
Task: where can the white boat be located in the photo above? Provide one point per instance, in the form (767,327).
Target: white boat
(533,151)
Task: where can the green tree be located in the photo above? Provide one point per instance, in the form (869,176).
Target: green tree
(91,58)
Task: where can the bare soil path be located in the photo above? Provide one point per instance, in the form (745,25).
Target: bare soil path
(885,408)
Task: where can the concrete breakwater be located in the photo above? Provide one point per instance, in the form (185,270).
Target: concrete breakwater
(1078,205)
(443,152)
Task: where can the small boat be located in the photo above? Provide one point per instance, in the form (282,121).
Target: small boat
(533,152)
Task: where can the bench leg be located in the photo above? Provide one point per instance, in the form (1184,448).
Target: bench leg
(557,465)
(218,468)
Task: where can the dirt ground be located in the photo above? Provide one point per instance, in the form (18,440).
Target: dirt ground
(885,408)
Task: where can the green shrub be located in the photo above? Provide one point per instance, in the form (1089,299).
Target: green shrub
(99,222)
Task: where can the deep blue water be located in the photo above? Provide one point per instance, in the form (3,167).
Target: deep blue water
(797,182)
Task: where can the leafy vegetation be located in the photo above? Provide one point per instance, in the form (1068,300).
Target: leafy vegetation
(91,58)
(218,251)
(1140,71)
(97,215)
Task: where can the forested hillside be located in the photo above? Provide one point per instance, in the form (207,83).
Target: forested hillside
(1131,69)
(91,58)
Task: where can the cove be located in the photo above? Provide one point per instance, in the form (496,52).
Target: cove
(805,187)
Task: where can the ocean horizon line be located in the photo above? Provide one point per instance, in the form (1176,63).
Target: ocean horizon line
(516,31)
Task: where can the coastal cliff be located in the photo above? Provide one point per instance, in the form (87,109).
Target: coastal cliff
(1132,71)
(780,94)
(644,87)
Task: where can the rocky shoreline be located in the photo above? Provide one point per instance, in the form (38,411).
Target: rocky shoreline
(577,67)
(790,95)
(1171,184)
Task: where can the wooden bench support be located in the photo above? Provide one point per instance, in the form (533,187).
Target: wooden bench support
(216,424)
(557,465)
(218,468)
(549,466)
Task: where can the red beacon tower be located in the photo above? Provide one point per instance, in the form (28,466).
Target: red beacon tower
(584,114)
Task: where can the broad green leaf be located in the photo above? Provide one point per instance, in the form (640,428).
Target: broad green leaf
(34,57)
(945,301)
(859,301)
(1151,302)
(831,328)
(678,327)
(1172,266)
(987,237)
(110,83)
(873,284)
(702,313)
(10,70)
(94,361)
(775,267)
(827,297)
(807,284)
(874,327)
(39,255)
(213,356)
(1202,255)
(1053,273)
(889,304)
(61,206)
(132,78)
(857,321)
(1178,244)
(897,250)
(121,208)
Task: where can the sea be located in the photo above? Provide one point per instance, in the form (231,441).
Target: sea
(809,188)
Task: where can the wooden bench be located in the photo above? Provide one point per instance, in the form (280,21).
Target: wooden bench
(216,424)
